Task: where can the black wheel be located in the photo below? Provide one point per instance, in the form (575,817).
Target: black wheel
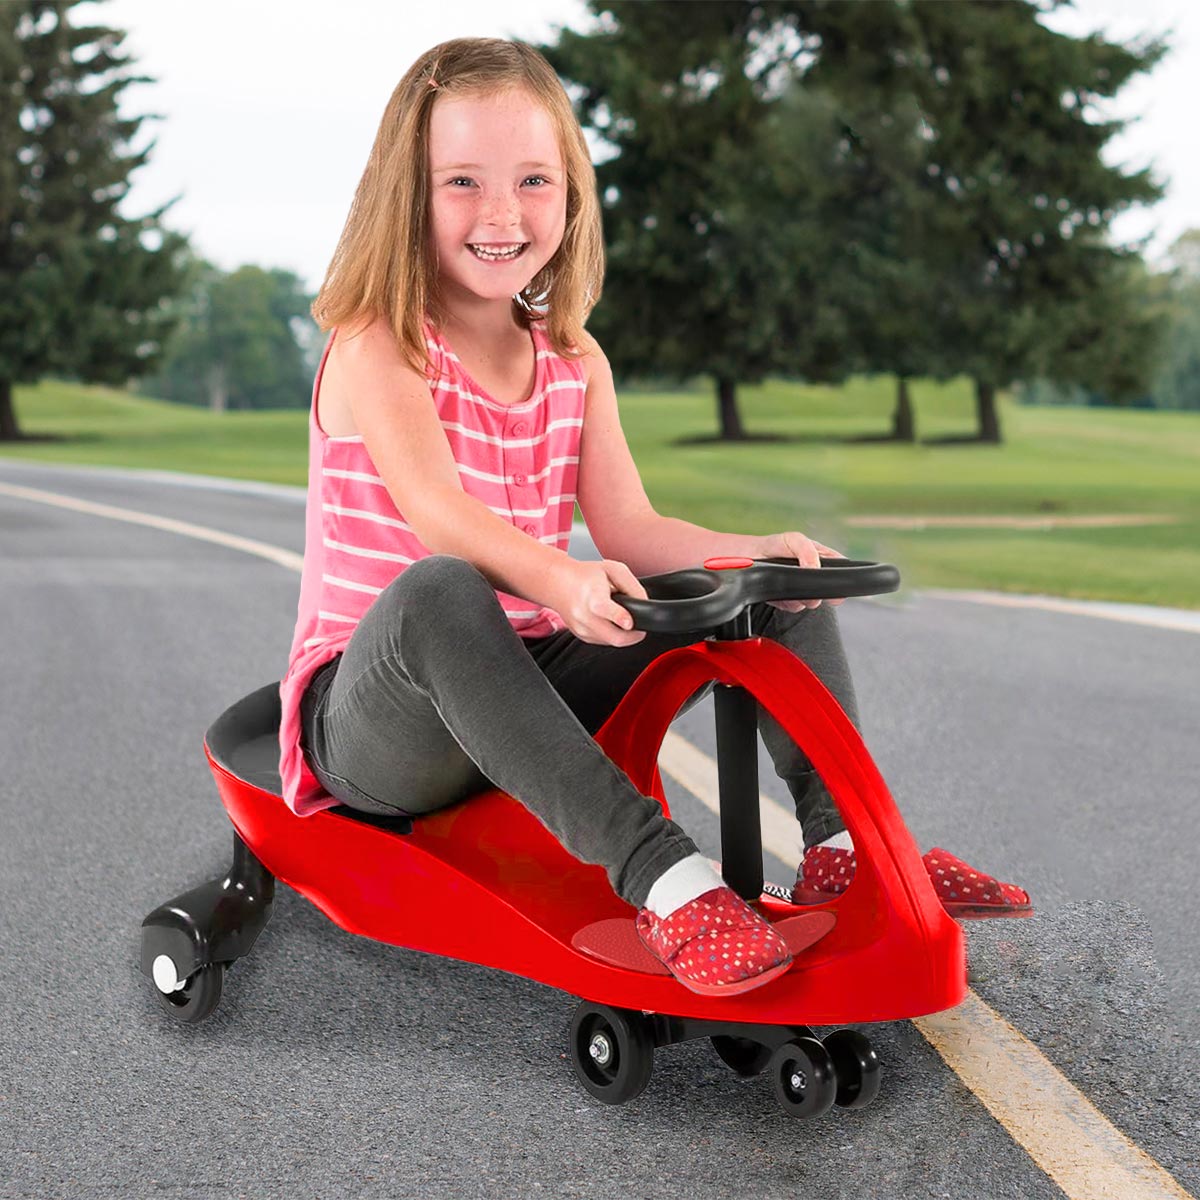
(856,1066)
(612,1051)
(803,1077)
(743,1056)
(198,997)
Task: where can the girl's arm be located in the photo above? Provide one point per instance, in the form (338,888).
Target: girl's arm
(619,515)
(625,526)
(394,411)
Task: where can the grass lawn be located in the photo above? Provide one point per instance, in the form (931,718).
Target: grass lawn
(1055,462)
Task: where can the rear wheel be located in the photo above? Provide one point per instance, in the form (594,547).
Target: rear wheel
(856,1066)
(612,1051)
(197,998)
(803,1077)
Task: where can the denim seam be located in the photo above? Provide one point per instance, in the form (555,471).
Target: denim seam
(341,779)
(393,657)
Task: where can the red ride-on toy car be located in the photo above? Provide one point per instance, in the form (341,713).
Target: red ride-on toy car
(484,880)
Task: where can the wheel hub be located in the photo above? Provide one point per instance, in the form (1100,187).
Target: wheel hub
(166,977)
(600,1048)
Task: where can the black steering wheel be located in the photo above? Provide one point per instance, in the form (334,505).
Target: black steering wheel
(706,597)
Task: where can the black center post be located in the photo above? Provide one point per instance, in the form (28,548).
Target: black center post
(737,775)
(715,601)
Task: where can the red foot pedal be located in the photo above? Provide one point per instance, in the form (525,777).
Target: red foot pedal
(616,941)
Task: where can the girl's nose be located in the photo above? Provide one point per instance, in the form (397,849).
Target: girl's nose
(501,208)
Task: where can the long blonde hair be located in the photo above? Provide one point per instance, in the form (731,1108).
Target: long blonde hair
(383,264)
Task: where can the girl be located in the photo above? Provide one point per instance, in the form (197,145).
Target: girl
(445,641)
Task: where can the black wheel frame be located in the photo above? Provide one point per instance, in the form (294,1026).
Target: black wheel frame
(856,1066)
(198,997)
(803,1077)
(624,1061)
(741,1055)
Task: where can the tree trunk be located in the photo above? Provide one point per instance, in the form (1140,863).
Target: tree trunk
(9,431)
(904,425)
(731,423)
(218,389)
(985,404)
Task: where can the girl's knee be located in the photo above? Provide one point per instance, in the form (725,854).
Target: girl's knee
(764,616)
(437,602)
(434,585)
(433,576)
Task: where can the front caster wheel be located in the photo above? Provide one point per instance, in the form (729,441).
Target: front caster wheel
(612,1051)
(856,1066)
(197,998)
(741,1055)
(803,1077)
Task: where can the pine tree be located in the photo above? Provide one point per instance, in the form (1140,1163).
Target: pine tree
(1029,282)
(81,286)
(816,188)
(712,204)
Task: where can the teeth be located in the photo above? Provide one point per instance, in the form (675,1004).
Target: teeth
(482,252)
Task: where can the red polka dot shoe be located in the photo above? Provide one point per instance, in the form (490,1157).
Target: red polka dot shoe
(969,894)
(716,945)
(965,893)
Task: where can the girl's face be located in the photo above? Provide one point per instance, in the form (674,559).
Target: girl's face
(498,193)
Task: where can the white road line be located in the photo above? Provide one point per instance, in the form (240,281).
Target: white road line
(1055,1123)
(1181,620)
(284,558)
(994,521)
(1154,616)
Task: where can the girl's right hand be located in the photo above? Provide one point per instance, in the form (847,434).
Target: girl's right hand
(584,596)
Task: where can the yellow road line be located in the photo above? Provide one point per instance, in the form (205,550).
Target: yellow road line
(1058,1126)
(1050,1118)
(1054,1122)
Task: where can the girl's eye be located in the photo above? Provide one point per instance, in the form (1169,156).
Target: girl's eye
(459,179)
(541,177)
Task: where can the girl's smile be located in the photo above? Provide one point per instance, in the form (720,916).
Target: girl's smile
(498,252)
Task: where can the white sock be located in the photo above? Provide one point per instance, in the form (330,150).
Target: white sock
(687,879)
(839,841)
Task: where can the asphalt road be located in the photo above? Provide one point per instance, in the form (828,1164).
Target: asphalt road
(1054,750)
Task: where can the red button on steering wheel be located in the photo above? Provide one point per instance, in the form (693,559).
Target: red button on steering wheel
(727,564)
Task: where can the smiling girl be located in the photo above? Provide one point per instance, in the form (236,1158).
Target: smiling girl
(445,640)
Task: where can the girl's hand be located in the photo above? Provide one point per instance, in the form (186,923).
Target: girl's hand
(806,552)
(584,599)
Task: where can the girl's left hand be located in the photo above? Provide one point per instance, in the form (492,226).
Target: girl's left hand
(806,552)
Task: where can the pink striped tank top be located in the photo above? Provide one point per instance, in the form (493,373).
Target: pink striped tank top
(521,460)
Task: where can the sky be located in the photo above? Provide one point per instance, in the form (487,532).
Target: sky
(270,108)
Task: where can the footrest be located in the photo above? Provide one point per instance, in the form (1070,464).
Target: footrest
(615,941)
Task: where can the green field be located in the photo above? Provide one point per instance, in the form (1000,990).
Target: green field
(1055,462)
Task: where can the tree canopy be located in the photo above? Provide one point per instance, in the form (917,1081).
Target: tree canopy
(811,188)
(236,345)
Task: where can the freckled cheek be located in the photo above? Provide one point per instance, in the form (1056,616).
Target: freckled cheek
(450,220)
(549,212)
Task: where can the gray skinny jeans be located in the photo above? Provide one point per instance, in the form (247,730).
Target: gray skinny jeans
(437,697)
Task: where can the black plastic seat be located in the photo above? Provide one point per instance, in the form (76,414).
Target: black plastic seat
(244,739)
